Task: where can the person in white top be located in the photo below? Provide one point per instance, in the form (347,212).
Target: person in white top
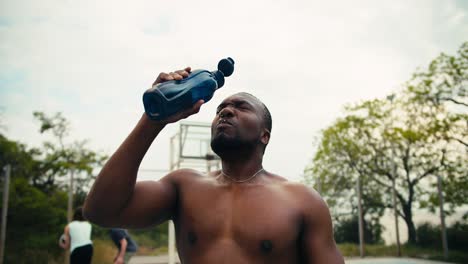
(77,237)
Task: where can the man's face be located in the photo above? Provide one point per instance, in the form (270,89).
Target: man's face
(238,124)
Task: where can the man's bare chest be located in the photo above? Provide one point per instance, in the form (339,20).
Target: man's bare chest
(254,216)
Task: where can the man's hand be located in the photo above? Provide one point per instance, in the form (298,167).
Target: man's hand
(119,260)
(64,241)
(178,75)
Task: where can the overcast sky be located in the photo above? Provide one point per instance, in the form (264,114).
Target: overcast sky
(92,60)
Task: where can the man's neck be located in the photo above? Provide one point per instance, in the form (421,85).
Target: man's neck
(241,169)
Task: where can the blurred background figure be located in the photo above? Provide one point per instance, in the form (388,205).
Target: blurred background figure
(125,245)
(77,238)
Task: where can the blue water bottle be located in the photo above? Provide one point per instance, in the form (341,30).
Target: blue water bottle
(168,98)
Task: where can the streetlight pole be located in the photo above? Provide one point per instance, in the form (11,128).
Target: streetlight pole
(360,216)
(442,216)
(6,187)
(70,197)
(395,209)
(70,209)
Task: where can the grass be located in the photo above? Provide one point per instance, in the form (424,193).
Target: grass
(352,250)
(104,251)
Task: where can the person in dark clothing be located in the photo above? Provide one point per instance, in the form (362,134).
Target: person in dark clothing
(125,244)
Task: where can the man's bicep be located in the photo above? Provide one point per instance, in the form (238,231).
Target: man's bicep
(152,202)
(318,244)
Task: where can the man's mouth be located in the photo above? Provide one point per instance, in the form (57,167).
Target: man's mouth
(223,123)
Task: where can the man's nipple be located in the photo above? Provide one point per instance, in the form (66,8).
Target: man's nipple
(192,238)
(266,246)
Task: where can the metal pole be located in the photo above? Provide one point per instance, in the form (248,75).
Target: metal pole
(180,141)
(70,197)
(70,209)
(6,189)
(442,216)
(171,242)
(361,221)
(171,231)
(395,211)
(171,153)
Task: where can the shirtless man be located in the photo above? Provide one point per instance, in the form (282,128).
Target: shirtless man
(240,214)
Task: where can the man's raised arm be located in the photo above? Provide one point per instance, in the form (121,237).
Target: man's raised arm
(115,198)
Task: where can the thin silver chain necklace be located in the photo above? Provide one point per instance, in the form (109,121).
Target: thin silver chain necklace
(241,181)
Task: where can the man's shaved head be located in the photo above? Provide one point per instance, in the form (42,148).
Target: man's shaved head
(268,122)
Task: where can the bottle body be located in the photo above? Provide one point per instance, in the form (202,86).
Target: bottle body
(168,98)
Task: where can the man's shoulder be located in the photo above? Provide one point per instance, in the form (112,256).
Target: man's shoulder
(303,194)
(184,171)
(117,231)
(116,234)
(184,175)
(292,186)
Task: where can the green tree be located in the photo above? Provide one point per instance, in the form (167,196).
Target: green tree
(345,231)
(402,139)
(34,218)
(382,142)
(38,194)
(457,235)
(445,83)
(336,168)
(61,157)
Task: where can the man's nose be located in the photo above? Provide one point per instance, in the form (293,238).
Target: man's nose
(226,112)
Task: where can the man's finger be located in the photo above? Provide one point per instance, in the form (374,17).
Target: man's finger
(183,73)
(162,77)
(176,76)
(186,113)
(167,78)
(198,105)
(193,110)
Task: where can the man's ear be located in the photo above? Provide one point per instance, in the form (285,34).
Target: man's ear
(265,138)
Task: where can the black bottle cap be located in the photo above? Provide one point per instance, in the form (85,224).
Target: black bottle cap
(226,66)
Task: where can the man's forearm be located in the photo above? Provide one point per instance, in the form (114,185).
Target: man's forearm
(116,181)
(123,249)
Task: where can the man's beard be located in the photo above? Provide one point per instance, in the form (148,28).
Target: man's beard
(232,147)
